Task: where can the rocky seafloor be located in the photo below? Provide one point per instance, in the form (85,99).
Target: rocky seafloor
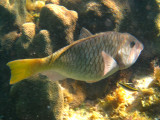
(37,28)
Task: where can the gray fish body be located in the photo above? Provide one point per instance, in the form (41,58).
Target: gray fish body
(97,56)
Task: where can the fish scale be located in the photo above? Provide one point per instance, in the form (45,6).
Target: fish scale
(84,55)
(89,59)
(85,59)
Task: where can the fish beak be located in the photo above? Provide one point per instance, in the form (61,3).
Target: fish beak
(139,50)
(135,53)
(141,47)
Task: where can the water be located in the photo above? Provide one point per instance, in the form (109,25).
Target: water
(31,29)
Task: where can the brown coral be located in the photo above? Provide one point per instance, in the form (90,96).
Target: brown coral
(41,45)
(33,45)
(37,99)
(53,1)
(114,8)
(157,73)
(62,20)
(23,43)
(74,93)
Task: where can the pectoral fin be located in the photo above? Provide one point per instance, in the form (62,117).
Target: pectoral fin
(84,33)
(109,63)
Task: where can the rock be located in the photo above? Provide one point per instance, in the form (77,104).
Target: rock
(41,45)
(5,4)
(37,99)
(104,15)
(142,22)
(31,44)
(12,16)
(53,1)
(20,11)
(28,30)
(34,6)
(56,28)
(7,41)
(74,92)
(60,23)
(23,43)
(101,88)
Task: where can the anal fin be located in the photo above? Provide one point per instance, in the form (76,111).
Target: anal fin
(52,75)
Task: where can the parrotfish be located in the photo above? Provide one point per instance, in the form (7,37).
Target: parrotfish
(89,59)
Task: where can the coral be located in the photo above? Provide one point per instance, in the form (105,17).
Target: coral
(20,10)
(28,29)
(39,5)
(114,8)
(33,10)
(30,5)
(8,40)
(12,16)
(53,1)
(133,23)
(94,90)
(37,99)
(147,100)
(157,19)
(137,116)
(102,15)
(34,6)
(150,104)
(94,7)
(14,12)
(31,44)
(62,20)
(53,28)
(115,103)
(157,74)
(87,111)
(23,43)
(74,93)
(41,45)
(121,15)
(4,3)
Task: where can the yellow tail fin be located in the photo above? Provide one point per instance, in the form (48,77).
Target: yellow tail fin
(24,68)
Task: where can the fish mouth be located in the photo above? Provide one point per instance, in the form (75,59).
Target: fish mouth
(141,47)
(135,54)
(138,52)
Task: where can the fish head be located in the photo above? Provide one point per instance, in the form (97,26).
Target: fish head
(129,51)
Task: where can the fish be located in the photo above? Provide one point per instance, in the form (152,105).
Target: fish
(127,87)
(91,58)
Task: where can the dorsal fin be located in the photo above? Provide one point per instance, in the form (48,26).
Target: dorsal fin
(84,33)
(58,53)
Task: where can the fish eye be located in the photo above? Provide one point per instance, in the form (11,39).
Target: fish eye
(132,44)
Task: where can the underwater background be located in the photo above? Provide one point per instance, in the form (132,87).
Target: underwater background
(37,28)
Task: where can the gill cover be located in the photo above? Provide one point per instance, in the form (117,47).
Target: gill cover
(129,51)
